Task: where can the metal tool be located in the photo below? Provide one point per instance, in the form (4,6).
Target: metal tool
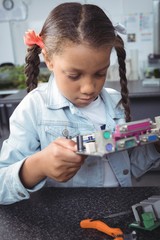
(113,215)
(116,233)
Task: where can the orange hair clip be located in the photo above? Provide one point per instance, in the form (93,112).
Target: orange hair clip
(32,38)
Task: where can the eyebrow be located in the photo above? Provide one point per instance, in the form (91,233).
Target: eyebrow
(103,68)
(71,70)
(79,70)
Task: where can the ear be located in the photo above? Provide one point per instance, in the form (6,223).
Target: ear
(48,62)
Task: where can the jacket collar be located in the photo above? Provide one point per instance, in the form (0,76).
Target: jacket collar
(55,100)
(111,98)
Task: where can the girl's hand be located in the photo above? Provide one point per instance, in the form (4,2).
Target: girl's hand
(60,160)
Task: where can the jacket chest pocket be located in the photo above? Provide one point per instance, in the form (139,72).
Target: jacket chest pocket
(52,132)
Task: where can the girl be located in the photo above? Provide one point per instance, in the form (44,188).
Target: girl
(76,42)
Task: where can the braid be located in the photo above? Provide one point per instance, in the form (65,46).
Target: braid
(32,67)
(121,54)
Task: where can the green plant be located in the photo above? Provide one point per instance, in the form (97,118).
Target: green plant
(14,77)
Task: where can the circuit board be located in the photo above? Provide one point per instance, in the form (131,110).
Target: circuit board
(125,136)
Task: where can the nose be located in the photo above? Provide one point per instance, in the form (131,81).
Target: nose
(88,86)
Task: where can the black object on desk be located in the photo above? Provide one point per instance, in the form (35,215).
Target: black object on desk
(55,213)
(7,106)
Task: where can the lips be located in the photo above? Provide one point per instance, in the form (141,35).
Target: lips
(88,100)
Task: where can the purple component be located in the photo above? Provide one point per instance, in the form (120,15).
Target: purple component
(109,147)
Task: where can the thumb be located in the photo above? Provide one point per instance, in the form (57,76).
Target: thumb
(67,143)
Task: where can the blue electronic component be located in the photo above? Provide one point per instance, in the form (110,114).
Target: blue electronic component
(152,138)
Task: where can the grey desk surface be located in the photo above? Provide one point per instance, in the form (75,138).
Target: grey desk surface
(136,88)
(55,213)
(15,97)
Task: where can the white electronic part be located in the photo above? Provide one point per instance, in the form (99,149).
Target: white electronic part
(157,121)
(146,208)
(155,204)
(136,215)
(90,147)
(154,197)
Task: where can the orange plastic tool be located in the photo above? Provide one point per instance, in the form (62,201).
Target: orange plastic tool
(116,233)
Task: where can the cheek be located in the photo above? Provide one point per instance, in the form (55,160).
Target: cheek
(100,84)
(73,90)
(69,88)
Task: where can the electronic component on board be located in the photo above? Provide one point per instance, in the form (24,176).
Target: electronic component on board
(125,136)
(147,214)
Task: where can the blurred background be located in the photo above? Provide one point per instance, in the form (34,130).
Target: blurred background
(141,19)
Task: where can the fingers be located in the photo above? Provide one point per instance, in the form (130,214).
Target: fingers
(61,162)
(66,143)
(66,148)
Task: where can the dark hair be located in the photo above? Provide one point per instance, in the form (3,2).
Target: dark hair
(77,23)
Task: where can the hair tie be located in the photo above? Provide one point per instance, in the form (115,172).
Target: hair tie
(120,28)
(31,38)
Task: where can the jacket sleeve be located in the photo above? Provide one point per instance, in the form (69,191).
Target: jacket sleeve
(11,188)
(22,142)
(143,159)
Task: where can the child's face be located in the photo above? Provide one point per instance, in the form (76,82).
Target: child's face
(80,72)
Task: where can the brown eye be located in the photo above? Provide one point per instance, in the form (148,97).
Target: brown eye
(74,77)
(100,75)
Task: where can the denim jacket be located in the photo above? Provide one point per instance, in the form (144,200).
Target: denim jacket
(40,118)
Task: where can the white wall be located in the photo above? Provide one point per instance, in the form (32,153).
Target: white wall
(136,15)
(6,48)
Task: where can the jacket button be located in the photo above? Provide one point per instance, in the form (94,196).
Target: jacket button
(125,171)
(21,194)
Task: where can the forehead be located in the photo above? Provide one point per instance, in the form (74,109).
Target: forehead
(82,55)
